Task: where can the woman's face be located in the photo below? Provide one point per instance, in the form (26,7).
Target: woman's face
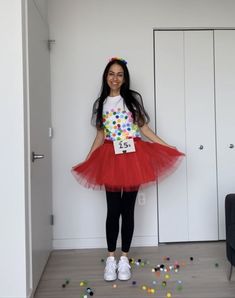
(115,79)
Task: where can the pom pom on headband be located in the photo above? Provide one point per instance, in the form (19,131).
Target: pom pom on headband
(117,58)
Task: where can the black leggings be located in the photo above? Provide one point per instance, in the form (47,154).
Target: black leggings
(120,203)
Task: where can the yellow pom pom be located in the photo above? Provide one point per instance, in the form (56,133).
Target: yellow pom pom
(167,276)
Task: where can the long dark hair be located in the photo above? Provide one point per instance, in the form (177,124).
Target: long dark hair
(132,99)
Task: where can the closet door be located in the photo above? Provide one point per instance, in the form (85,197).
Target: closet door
(185,117)
(225,123)
(200,136)
(170,118)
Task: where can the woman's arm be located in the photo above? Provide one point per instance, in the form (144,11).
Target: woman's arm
(148,133)
(99,139)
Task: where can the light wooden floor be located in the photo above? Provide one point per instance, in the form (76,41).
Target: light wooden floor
(200,278)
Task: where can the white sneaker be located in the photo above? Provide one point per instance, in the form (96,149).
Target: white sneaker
(110,271)
(124,269)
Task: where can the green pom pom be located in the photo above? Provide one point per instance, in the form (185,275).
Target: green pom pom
(179,287)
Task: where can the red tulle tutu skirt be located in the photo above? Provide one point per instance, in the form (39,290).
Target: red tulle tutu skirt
(128,171)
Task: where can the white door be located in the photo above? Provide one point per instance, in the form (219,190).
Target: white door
(225,123)
(170,117)
(40,143)
(185,117)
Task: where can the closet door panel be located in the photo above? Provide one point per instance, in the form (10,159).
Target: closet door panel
(200,135)
(225,111)
(185,114)
(170,117)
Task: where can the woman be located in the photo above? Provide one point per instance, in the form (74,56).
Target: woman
(120,161)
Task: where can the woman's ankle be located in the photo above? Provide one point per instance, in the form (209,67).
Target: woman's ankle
(111,254)
(124,254)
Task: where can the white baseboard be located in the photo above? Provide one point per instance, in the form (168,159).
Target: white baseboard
(81,243)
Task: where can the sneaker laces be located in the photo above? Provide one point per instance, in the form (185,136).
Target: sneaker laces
(123,265)
(110,266)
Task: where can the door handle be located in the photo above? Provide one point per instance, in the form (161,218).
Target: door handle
(201,147)
(36,156)
(231,146)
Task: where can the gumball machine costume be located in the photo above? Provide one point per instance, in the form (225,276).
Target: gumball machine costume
(147,163)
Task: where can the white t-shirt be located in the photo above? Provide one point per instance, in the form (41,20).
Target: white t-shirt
(118,121)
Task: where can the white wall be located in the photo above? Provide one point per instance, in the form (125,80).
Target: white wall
(87,34)
(14,252)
